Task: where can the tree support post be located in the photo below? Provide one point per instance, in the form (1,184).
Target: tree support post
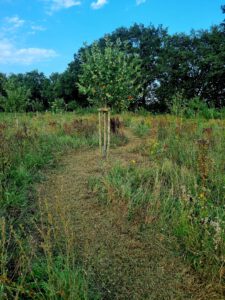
(100,131)
(104,131)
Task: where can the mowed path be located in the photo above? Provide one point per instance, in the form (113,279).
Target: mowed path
(122,261)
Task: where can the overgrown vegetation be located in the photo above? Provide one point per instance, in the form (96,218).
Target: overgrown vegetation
(180,187)
(181,107)
(33,262)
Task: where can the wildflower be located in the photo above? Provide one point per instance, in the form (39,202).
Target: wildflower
(133,161)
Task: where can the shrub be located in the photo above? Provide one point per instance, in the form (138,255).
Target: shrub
(58,105)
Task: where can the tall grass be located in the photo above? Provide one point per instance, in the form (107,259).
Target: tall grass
(32,264)
(181,187)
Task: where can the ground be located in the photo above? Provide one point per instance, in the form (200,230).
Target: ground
(121,259)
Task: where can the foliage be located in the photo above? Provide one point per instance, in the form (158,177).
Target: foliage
(58,105)
(177,105)
(110,77)
(193,108)
(17,97)
(191,65)
(3,80)
(72,105)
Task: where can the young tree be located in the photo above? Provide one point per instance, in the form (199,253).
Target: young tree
(109,76)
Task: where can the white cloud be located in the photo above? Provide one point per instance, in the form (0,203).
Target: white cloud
(61,4)
(98,4)
(38,28)
(14,22)
(138,2)
(10,54)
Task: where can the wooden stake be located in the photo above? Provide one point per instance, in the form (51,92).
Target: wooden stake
(108,144)
(100,132)
(104,131)
(105,134)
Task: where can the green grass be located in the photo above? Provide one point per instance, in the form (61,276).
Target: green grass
(141,128)
(34,263)
(181,186)
(29,144)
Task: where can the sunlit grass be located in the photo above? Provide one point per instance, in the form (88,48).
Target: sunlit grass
(181,185)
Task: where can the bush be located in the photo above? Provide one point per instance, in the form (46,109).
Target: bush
(58,105)
(72,106)
(192,108)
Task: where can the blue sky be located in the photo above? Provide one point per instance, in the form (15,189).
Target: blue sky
(44,34)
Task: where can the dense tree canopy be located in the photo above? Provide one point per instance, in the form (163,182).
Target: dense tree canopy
(109,76)
(191,65)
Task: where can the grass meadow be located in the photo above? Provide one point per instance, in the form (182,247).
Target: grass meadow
(30,144)
(180,189)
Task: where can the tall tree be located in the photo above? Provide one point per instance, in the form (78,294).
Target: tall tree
(193,65)
(38,85)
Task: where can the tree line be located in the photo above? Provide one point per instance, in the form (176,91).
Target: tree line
(171,66)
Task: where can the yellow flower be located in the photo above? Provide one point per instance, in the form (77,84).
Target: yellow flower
(133,161)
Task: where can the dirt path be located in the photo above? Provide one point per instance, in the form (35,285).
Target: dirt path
(122,261)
